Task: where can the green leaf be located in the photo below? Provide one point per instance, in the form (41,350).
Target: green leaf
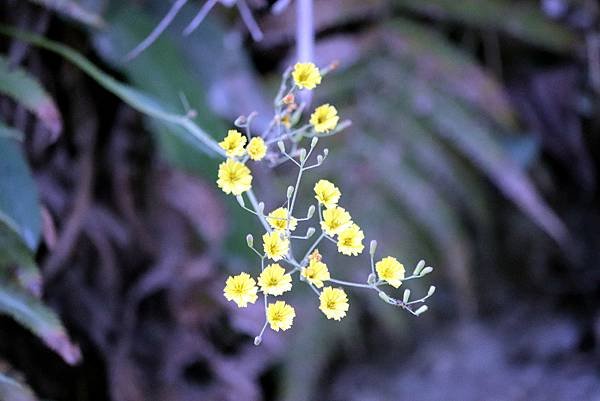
(73,10)
(522,20)
(12,390)
(19,204)
(39,319)
(26,90)
(14,253)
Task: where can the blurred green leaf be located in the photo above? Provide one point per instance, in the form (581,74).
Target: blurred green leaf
(522,20)
(39,319)
(26,90)
(14,253)
(19,204)
(12,390)
(432,57)
(73,10)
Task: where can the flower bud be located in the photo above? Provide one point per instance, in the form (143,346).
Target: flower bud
(257,340)
(311,211)
(426,270)
(310,232)
(281,146)
(250,240)
(325,153)
(240,200)
(371,279)
(406,295)
(290,191)
(431,291)
(386,298)
(302,155)
(260,208)
(314,141)
(319,159)
(421,310)
(419,267)
(240,121)
(373,247)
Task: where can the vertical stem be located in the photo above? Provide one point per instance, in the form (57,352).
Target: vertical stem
(305,37)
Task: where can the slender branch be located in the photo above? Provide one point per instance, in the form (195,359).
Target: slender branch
(200,16)
(157,31)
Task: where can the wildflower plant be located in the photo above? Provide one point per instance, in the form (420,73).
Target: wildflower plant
(278,252)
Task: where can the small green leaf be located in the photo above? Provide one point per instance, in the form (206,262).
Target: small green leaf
(39,319)
(26,90)
(19,204)
(14,253)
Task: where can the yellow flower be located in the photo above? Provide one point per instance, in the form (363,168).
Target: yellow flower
(324,118)
(241,289)
(280,316)
(274,281)
(233,144)
(234,177)
(278,220)
(390,270)
(327,193)
(350,240)
(316,272)
(335,220)
(256,148)
(306,75)
(275,246)
(333,303)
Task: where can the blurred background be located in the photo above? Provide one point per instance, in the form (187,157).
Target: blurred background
(474,145)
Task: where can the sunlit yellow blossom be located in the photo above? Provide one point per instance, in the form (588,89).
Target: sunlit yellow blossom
(275,246)
(324,118)
(241,289)
(350,240)
(333,303)
(326,193)
(280,316)
(335,220)
(274,281)
(256,148)
(306,75)
(390,270)
(234,177)
(316,272)
(233,144)
(278,220)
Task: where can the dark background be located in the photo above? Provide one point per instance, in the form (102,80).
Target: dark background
(474,145)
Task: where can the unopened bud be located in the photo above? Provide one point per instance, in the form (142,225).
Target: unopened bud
(373,247)
(302,154)
(250,240)
(314,141)
(431,291)
(421,310)
(371,279)
(311,211)
(426,270)
(386,298)
(240,121)
(261,207)
(319,159)
(406,295)
(257,340)
(281,146)
(290,191)
(310,232)
(240,200)
(419,267)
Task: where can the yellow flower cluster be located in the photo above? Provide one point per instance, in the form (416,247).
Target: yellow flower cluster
(281,226)
(337,221)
